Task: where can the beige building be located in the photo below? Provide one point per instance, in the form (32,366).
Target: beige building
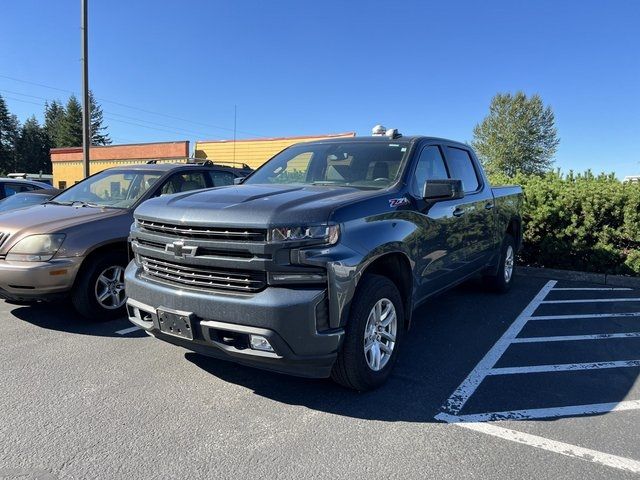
(253,152)
(67,162)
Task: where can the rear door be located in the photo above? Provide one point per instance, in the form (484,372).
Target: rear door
(439,240)
(476,208)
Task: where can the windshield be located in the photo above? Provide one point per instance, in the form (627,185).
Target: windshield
(21,200)
(111,188)
(351,164)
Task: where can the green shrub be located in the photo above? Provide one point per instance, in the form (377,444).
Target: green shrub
(580,222)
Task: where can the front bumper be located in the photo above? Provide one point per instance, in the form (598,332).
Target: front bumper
(37,280)
(285,316)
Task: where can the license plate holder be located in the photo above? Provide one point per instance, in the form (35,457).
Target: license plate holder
(175,323)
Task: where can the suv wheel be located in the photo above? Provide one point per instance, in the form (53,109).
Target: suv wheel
(372,336)
(99,290)
(501,281)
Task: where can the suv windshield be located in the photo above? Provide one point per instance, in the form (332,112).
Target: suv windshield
(115,189)
(352,164)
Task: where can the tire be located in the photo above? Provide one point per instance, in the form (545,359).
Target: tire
(501,281)
(99,276)
(353,366)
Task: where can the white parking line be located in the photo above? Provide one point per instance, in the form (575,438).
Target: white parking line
(486,367)
(620,463)
(594,300)
(458,398)
(590,289)
(569,338)
(124,331)
(565,367)
(586,315)
(551,412)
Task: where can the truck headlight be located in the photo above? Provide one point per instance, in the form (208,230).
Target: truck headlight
(328,234)
(36,248)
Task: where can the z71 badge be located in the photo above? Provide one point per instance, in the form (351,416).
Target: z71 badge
(398,202)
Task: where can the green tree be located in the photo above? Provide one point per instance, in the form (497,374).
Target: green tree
(71,125)
(9,127)
(32,148)
(518,135)
(98,130)
(53,119)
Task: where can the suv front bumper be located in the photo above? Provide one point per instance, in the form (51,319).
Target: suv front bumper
(286,317)
(37,280)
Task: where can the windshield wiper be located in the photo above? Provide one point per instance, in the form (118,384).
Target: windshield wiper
(330,183)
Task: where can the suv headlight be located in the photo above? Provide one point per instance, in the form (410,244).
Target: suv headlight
(327,234)
(36,248)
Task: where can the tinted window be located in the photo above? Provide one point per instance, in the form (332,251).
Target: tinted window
(183,182)
(220,179)
(461,168)
(430,167)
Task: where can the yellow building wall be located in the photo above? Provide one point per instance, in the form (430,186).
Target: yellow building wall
(252,152)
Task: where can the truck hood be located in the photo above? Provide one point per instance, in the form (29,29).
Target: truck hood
(252,205)
(50,218)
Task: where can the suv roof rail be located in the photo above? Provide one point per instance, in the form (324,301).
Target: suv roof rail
(222,163)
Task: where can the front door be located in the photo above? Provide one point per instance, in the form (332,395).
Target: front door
(438,244)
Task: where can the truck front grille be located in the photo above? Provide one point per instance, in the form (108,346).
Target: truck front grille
(205,233)
(202,277)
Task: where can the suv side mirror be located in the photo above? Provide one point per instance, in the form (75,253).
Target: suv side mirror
(438,190)
(238,180)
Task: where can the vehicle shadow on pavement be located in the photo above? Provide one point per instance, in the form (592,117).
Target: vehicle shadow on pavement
(450,334)
(62,317)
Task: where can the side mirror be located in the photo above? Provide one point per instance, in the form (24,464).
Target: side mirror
(238,180)
(438,190)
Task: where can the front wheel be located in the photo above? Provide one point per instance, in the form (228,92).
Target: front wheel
(372,336)
(501,281)
(99,290)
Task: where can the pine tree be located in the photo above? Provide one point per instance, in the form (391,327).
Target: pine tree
(71,125)
(32,148)
(518,135)
(98,134)
(53,119)
(9,127)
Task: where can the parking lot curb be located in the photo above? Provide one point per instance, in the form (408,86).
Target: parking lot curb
(572,275)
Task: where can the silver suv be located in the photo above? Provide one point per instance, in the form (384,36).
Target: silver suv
(76,243)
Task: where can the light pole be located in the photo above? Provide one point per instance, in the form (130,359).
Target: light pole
(86,108)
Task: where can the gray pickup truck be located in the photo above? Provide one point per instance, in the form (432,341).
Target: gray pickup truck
(315,263)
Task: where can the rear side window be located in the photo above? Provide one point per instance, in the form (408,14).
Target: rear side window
(461,168)
(430,167)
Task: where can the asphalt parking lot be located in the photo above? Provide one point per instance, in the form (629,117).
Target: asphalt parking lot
(541,382)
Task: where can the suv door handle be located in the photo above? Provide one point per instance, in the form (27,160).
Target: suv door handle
(458,212)
(489,205)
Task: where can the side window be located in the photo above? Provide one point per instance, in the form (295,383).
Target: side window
(461,168)
(430,167)
(220,179)
(183,182)
(13,188)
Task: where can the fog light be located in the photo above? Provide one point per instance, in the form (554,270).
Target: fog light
(258,342)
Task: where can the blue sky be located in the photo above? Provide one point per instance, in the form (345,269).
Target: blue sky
(302,67)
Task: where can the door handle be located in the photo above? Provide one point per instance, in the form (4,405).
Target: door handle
(458,212)
(489,205)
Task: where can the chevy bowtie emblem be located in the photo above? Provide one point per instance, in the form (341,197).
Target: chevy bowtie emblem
(180,250)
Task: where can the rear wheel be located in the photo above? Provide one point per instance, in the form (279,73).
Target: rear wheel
(372,336)
(501,281)
(99,290)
